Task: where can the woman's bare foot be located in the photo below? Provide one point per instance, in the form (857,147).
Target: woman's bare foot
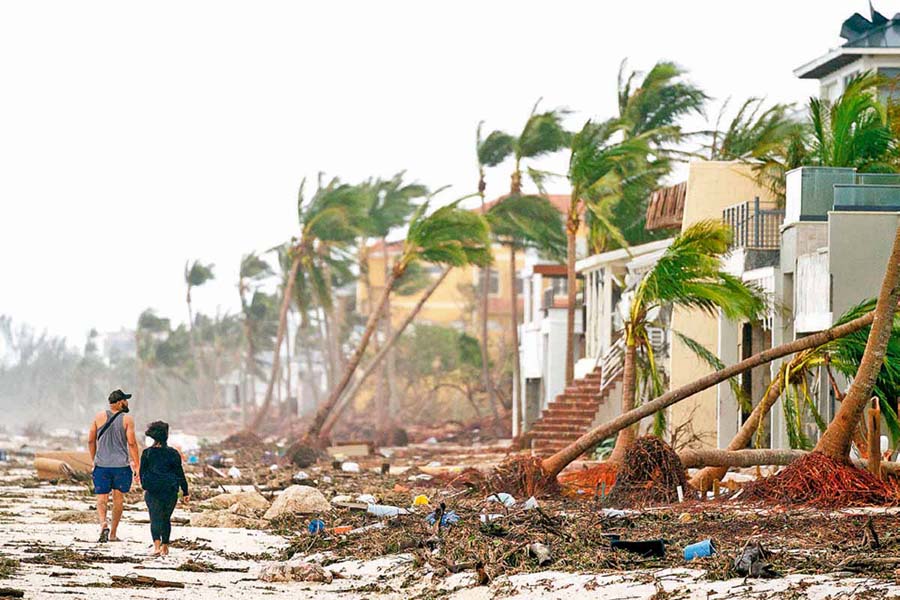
(156,548)
(164,550)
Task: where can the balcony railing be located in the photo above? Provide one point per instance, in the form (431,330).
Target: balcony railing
(755,226)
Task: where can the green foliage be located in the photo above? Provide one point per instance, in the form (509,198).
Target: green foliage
(853,131)
(389,203)
(529,222)
(196,273)
(495,148)
(689,274)
(543,133)
(449,236)
(254,268)
(148,321)
(434,351)
(713,361)
(655,105)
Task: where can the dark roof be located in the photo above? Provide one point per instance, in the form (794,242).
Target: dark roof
(666,207)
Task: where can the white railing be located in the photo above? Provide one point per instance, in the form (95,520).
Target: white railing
(612,364)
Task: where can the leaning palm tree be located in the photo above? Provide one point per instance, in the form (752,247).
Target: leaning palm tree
(844,355)
(543,134)
(688,274)
(390,204)
(600,171)
(195,275)
(331,216)
(449,236)
(835,442)
(252,271)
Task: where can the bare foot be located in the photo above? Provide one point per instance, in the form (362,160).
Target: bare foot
(164,550)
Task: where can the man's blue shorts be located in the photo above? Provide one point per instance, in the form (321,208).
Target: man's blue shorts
(112,478)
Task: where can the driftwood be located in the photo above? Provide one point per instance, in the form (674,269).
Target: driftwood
(11,593)
(144,581)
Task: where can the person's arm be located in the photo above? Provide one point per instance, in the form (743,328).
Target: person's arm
(179,471)
(132,444)
(92,440)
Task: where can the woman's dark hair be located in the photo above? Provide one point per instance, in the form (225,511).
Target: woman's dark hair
(158,431)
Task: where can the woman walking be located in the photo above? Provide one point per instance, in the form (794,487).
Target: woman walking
(161,476)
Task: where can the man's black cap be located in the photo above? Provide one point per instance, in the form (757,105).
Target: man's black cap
(117,395)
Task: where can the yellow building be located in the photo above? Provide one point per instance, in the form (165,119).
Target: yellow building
(712,186)
(455,302)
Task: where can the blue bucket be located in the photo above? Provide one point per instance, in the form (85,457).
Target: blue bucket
(699,550)
(316,526)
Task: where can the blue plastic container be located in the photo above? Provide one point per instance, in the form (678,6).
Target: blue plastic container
(699,550)
(316,526)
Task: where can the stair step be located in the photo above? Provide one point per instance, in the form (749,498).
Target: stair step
(566,420)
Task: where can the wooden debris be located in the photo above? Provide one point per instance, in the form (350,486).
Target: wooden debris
(144,581)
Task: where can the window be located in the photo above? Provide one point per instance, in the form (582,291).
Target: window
(520,286)
(493,282)
(890,91)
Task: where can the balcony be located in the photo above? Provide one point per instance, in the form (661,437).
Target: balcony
(868,197)
(755,225)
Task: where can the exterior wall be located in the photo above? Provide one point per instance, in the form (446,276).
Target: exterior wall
(832,86)
(860,246)
(712,186)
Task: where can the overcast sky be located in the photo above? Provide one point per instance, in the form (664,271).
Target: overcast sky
(135,136)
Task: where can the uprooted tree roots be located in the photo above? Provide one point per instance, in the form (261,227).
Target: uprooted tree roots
(819,481)
(519,475)
(594,481)
(650,474)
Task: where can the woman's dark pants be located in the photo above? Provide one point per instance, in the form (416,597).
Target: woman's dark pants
(161,507)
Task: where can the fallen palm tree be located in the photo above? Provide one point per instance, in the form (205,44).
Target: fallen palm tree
(650,474)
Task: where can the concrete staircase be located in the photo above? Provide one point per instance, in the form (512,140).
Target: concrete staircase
(573,412)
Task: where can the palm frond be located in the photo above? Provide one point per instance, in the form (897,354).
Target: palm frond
(197,273)
(495,148)
(713,361)
(529,222)
(450,236)
(542,134)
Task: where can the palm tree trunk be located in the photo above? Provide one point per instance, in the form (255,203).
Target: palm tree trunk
(572,286)
(629,378)
(287,358)
(485,356)
(557,462)
(383,395)
(835,442)
(316,427)
(276,356)
(514,327)
(348,397)
(713,458)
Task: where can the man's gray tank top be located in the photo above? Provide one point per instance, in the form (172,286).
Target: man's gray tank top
(112,446)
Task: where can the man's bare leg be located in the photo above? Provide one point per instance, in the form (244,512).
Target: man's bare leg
(102,500)
(118,504)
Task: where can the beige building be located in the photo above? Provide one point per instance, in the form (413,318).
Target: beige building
(712,186)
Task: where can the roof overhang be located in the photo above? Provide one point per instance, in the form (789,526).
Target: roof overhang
(623,255)
(837,58)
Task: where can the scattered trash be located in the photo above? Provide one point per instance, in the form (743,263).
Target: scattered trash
(385,468)
(327,479)
(216,460)
(300,476)
(273,468)
(531,503)
(295,571)
(384,510)
(753,562)
(269,458)
(350,467)
(433,464)
(193,459)
(342,530)
(613,513)
(316,526)
(234,473)
(503,498)
(420,477)
(386,452)
(420,500)
(400,488)
(541,553)
(431,440)
(364,528)
(367,498)
(685,518)
(699,550)
(645,548)
(447,519)
(341,499)
(490,517)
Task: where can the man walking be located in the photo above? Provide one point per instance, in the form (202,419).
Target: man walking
(114,452)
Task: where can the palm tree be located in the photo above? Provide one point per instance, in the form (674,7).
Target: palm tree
(552,465)
(520,222)
(650,104)
(688,274)
(600,171)
(332,216)
(854,130)
(835,442)
(253,269)
(449,236)
(543,134)
(390,205)
(844,355)
(195,275)
(490,152)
